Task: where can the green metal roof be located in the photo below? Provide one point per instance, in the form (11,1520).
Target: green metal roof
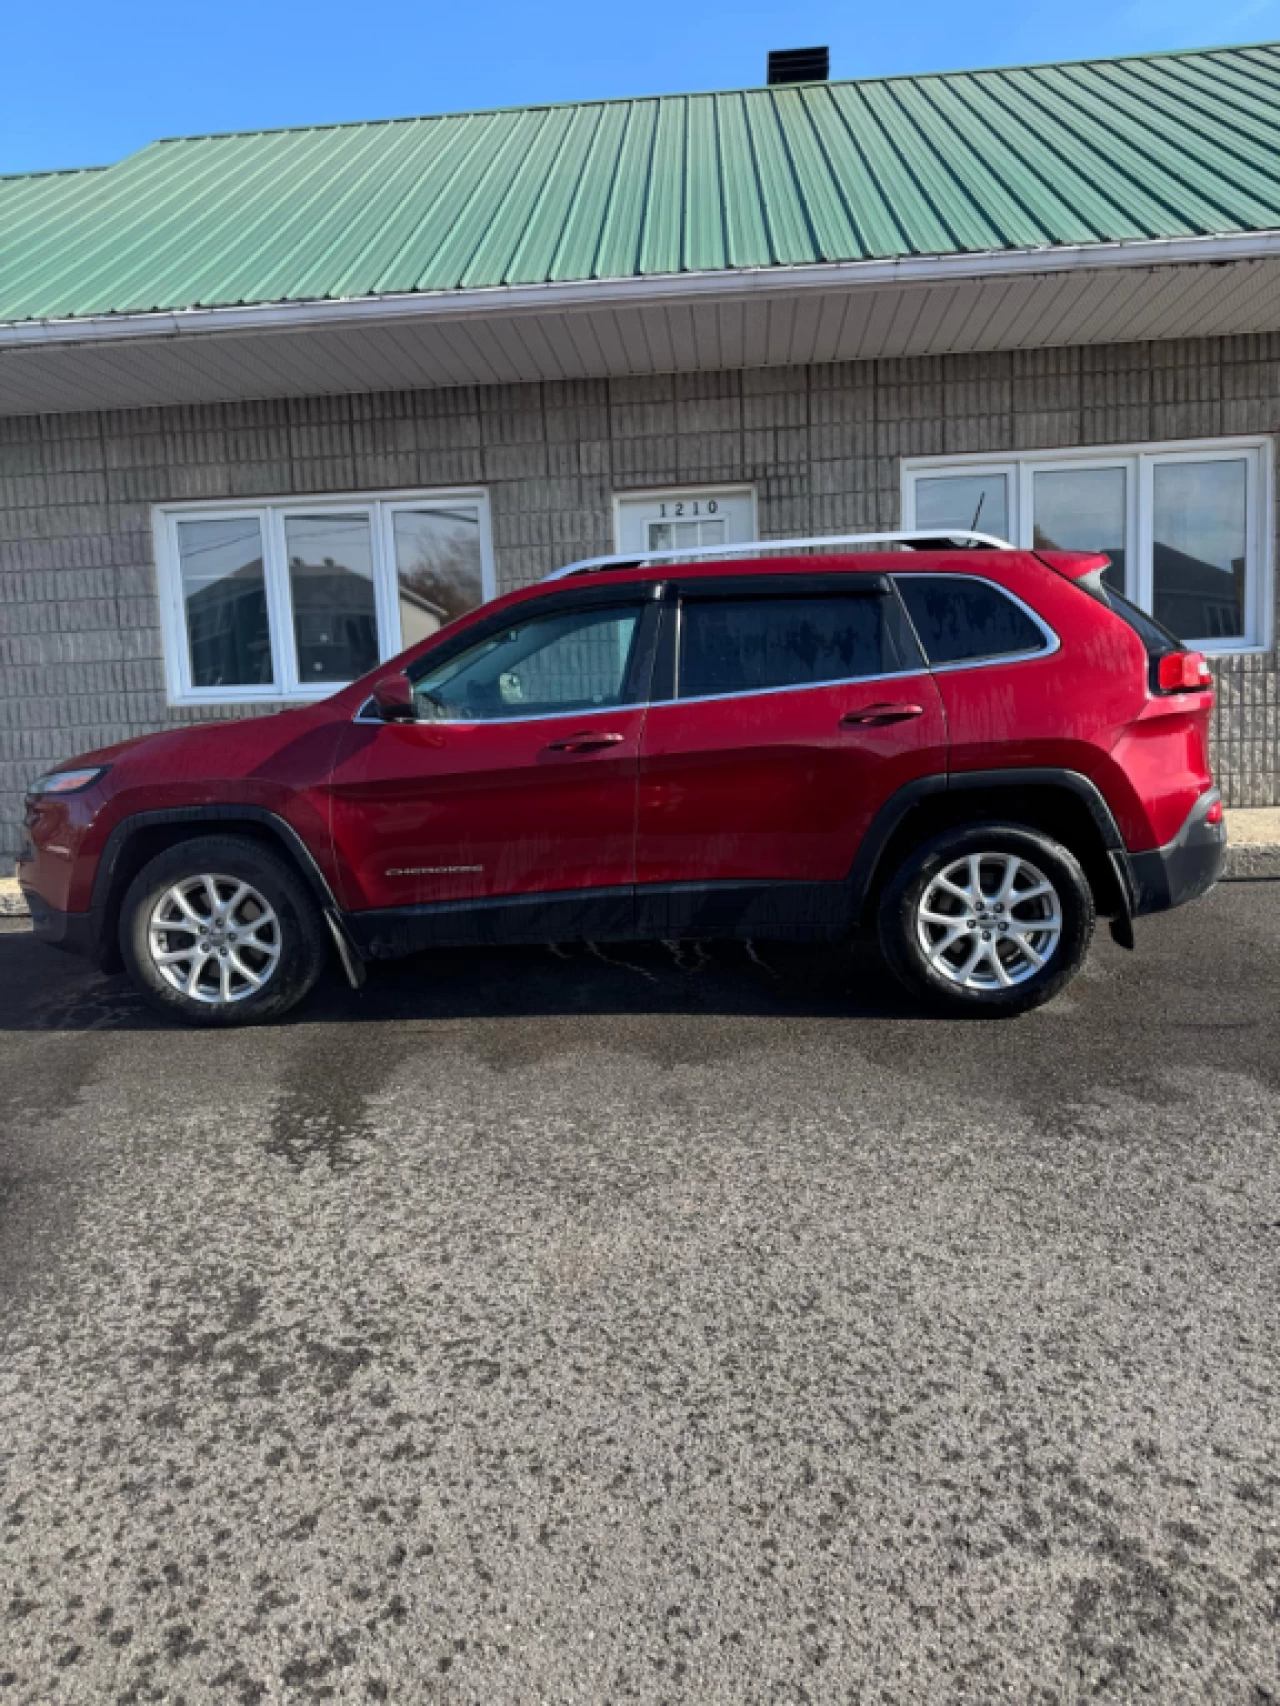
(1170,145)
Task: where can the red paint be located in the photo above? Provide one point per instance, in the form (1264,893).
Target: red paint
(778,785)
(281,763)
(535,806)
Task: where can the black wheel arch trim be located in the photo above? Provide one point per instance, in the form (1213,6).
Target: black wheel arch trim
(887,821)
(123,832)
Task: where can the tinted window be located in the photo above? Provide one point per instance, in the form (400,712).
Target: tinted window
(747,645)
(577,660)
(962,619)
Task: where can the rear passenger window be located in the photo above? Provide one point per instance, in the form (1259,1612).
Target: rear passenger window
(960,621)
(748,645)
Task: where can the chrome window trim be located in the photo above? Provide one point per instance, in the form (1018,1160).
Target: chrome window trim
(654,704)
(1053,642)
(791,687)
(493,722)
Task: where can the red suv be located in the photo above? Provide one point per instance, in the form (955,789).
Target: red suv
(970,751)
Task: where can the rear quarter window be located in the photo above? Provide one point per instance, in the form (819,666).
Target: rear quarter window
(1157,639)
(965,621)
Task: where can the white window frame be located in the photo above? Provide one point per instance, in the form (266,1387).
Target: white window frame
(1139,461)
(270,515)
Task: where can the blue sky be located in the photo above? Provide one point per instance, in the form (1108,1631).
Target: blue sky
(85,83)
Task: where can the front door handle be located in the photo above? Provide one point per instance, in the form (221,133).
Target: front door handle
(586,741)
(876,716)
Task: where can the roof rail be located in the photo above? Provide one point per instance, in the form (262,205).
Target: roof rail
(918,541)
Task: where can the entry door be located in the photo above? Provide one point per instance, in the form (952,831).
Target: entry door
(797,710)
(519,778)
(683,520)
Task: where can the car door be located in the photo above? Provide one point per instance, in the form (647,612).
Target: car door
(792,708)
(516,785)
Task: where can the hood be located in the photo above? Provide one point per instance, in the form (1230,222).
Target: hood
(277,725)
(101,754)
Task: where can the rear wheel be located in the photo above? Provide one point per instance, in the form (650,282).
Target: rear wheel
(221,931)
(987,918)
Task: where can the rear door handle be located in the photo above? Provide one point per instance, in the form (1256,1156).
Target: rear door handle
(874,716)
(586,741)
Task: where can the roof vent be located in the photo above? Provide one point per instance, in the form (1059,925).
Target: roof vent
(800,65)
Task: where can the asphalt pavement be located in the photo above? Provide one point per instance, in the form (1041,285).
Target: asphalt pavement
(567,1327)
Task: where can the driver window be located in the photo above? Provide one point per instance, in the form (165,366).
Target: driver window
(577,660)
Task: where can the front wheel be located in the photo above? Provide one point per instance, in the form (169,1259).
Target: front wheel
(219,930)
(989,918)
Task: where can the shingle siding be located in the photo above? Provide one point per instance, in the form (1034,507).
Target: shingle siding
(81,662)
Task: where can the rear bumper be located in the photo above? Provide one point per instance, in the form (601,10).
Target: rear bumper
(71,931)
(1183,869)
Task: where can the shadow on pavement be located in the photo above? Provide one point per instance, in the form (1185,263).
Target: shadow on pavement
(42,989)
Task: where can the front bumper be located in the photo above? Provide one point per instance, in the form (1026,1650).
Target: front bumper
(1183,869)
(71,931)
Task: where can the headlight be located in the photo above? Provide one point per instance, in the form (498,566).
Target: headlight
(66,781)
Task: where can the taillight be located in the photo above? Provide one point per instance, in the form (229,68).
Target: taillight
(1214,813)
(1183,672)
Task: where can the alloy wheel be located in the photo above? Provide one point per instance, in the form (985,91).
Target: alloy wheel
(989,921)
(214,938)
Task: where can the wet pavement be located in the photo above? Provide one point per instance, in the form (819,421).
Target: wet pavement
(651,1325)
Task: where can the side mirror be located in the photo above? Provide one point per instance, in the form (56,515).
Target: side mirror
(393,700)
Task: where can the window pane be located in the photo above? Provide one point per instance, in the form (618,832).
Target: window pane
(977,503)
(1082,509)
(335,622)
(224,595)
(1199,548)
(683,535)
(961,620)
(727,646)
(438,567)
(575,661)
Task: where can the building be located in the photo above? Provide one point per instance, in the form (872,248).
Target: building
(273,404)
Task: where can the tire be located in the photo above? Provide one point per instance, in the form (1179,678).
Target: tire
(926,937)
(258,955)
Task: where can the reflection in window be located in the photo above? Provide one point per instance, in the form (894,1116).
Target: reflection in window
(1199,547)
(685,535)
(959,621)
(438,567)
(1082,509)
(224,596)
(752,645)
(972,503)
(335,621)
(576,661)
